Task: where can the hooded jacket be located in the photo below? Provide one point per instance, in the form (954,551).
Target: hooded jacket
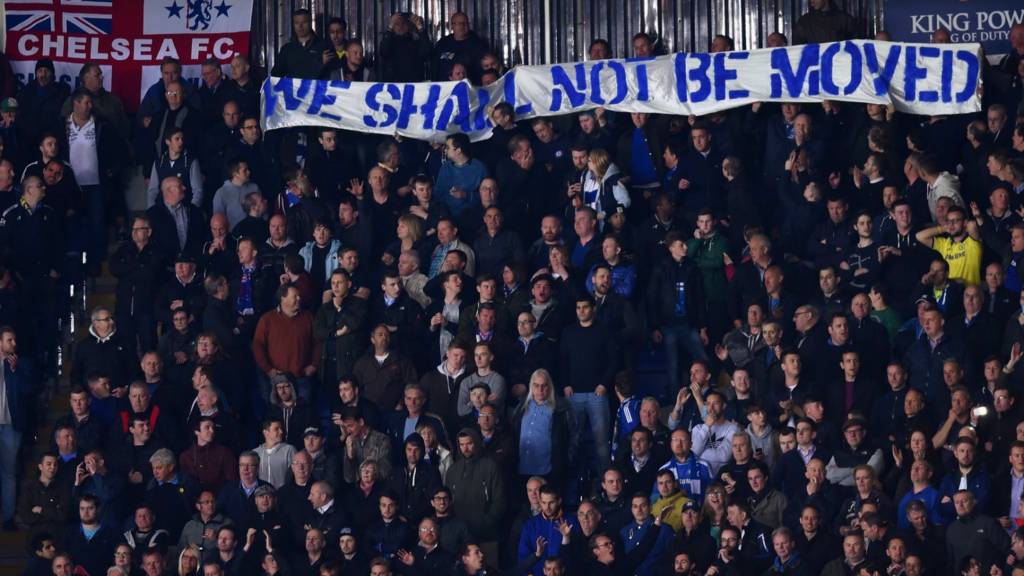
(478,490)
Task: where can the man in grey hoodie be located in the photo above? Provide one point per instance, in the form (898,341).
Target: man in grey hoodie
(229,197)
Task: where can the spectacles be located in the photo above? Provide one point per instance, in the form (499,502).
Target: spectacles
(422,530)
(173,93)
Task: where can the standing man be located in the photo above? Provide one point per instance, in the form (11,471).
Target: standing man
(588,354)
(16,382)
(40,101)
(31,232)
(462,46)
(284,344)
(676,307)
(95,152)
(306,54)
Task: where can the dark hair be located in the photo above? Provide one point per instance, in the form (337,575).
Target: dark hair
(461,142)
(351,413)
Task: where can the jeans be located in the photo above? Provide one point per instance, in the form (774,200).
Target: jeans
(10,441)
(681,335)
(588,406)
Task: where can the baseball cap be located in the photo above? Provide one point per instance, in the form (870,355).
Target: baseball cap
(264,490)
(9,105)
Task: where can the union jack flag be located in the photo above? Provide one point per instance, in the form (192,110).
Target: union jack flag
(86,17)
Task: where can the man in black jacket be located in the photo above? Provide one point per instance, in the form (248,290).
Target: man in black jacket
(92,552)
(477,490)
(104,350)
(306,54)
(404,50)
(137,266)
(676,310)
(178,226)
(588,364)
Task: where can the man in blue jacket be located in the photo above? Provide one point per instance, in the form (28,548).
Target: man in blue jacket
(547,524)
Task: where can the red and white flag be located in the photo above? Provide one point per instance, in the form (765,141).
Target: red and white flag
(127,38)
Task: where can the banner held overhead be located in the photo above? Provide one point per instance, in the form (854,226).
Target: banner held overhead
(915,78)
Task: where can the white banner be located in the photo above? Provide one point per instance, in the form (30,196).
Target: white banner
(916,78)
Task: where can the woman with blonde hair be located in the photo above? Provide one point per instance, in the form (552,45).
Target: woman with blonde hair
(409,232)
(188,561)
(543,431)
(602,189)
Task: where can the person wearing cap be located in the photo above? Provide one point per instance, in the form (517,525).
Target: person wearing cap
(324,464)
(854,450)
(351,558)
(184,290)
(267,521)
(493,382)
(40,101)
(478,394)
(693,536)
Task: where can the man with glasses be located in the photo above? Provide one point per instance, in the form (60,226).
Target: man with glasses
(137,264)
(236,500)
(427,557)
(454,531)
(263,164)
(179,113)
(43,550)
(104,349)
(155,102)
(959,243)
